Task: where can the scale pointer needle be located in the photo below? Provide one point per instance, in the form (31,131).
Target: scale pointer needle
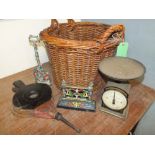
(113,101)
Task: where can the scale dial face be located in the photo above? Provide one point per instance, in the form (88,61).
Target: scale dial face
(114,99)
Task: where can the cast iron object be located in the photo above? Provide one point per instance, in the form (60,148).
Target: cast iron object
(60,117)
(30,96)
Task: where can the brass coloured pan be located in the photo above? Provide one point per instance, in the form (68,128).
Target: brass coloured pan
(121,68)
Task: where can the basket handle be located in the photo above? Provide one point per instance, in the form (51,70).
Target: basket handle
(54,24)
(71,22)
(113,29)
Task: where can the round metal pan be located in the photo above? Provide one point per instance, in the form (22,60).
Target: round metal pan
(121,68)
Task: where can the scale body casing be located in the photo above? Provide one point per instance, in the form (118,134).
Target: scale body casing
(122,88)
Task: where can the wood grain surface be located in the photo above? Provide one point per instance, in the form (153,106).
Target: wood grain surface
(90,123)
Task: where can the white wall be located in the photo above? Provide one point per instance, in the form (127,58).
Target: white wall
(16,54)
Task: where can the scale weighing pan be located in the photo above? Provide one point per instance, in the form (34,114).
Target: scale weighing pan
(121,68)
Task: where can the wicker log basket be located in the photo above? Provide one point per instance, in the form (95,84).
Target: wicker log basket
(76,48)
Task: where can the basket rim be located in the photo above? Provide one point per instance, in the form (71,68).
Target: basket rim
(87,23)
(84,44)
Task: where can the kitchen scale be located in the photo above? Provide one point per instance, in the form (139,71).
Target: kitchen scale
(119,71)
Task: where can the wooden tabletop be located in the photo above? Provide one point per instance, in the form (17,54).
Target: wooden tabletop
(98,122)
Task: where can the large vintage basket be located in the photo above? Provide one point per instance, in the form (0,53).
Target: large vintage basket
(76,48)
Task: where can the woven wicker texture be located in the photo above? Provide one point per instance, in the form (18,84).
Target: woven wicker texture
(76,48)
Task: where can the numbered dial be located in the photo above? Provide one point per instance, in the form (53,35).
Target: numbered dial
(114,99)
